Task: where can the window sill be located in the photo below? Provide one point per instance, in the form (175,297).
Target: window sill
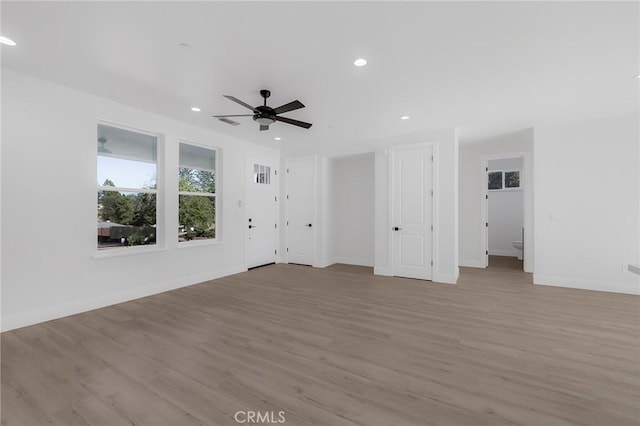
(506,189)
(126,251)
(198,243)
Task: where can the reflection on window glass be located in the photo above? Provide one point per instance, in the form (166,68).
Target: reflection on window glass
(126,219)
(495,180)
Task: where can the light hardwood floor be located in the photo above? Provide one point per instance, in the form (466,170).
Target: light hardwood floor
(334,346)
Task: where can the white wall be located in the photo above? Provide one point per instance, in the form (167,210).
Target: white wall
(445,267)
(587,204)
(351,206)
(49,206)
(506,212)
(471,159)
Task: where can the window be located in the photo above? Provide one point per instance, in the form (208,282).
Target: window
(261,174)
(512,179)
(196,193)
(495,180)
(127,187)
(499,180)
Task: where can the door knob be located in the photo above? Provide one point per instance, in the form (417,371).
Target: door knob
(309,225)
(252,226)
(395,228)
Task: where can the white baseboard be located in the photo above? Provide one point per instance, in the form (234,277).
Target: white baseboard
(610,287)
(54,312)
(508,253)
(383,271)
(446,278)
(437,277)
(472,263)
(358,261)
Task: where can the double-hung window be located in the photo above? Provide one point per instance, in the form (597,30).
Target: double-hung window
(196,193)
(127,187)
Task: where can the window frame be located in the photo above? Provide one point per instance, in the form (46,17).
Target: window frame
(215,195)
(503,174)
(158,191)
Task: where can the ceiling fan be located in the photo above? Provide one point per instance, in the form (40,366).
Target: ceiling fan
(102,140)
(265,115)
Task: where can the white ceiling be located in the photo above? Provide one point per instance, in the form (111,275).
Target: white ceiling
(484,67)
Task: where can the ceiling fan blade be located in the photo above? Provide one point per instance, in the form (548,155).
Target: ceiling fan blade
(294,122)
(236,115)
(288,107)
(226,120)
(263,127)
(238,101)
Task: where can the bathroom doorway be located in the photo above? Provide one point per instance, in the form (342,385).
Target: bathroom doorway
(505,212)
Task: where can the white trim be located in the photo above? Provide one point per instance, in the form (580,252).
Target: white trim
(198,194)
(434,200)
(383,271)
(117,251)
(198,243)
(123,189)
(122,126)
(507,253)
(610,287)
(24,319)
(325,264)
(447,278)
(472,264)
(352,260)
(526,185)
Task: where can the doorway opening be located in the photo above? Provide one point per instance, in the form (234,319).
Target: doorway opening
(505,213)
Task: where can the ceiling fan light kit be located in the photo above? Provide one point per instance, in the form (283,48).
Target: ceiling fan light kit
(265,115)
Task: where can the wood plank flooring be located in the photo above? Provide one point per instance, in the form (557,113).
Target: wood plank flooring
(505,262)
(334,346)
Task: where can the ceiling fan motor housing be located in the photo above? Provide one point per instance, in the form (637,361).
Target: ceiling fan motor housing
(265,115)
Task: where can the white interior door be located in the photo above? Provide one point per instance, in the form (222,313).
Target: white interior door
(300,211)
(260,207)
(412,212)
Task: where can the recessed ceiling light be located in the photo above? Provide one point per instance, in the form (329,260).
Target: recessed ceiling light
(360,62)
(7,41)
(405,117)
(277,138)
(195,109)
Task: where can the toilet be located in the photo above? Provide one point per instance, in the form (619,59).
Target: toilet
(518,245)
